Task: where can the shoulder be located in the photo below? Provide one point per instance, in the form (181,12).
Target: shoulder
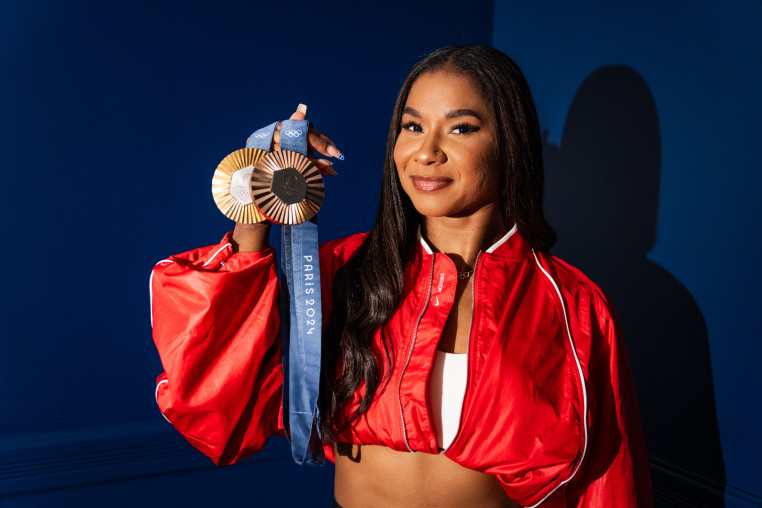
(334,255)
(592,318)
(570,281)
(573,276)
(341,249)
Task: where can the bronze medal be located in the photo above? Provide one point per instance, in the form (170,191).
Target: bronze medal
(287,187)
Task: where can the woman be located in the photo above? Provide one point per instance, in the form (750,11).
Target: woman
(464,366)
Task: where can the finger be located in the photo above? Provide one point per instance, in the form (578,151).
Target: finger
(324,166)
(316,139)
(328,170)
(300,113)
(323,144)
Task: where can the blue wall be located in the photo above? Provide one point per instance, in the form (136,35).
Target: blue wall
(114,116)
(653,128)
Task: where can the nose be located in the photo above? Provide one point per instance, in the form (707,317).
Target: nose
(430,151)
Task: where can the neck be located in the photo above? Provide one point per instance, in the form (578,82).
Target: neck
(462,238)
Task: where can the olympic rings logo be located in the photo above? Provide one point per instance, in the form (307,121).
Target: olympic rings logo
(260,135)
(292,133)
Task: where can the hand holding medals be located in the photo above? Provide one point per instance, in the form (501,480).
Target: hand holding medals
(284,186)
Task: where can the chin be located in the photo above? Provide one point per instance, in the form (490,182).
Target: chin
(433,208)
(449,208)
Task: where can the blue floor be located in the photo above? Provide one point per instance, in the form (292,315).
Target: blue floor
(274,483)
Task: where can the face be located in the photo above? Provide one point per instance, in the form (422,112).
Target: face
(445,154)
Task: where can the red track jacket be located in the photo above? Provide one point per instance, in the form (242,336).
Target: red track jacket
(549,407)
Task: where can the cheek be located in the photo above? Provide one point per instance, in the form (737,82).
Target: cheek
(492,172)
(399,164)
(398,155)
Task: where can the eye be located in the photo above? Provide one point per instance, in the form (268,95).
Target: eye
(465,128)
(412,126)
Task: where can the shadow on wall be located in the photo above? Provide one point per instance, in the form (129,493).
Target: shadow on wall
(602,197)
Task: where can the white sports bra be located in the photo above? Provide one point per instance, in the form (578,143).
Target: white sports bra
(447,387)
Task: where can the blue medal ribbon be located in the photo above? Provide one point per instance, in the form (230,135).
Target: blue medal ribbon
(262,138)
(301,314)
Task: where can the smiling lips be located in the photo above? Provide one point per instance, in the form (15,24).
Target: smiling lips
(430,183)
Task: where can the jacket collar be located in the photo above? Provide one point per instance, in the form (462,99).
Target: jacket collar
(511,245)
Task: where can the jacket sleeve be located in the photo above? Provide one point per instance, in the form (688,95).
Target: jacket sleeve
(215,324)
(614,464)
(615,469)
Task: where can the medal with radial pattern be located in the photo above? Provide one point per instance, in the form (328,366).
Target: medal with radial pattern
(231,186)
(287,187)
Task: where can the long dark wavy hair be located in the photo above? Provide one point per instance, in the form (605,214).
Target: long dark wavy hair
(368,289)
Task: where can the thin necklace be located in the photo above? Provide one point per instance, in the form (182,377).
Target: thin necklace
(466,274)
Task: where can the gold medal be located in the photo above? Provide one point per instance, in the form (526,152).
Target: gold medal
(231,186)
(287,187)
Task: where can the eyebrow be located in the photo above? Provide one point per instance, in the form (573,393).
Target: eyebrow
(456,113)
(464,112)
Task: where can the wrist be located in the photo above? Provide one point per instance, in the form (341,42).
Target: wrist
(250,237)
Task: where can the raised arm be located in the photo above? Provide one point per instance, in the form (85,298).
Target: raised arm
(215,325)
(216,321)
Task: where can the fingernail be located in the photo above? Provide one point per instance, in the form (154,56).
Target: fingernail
(326,166)
(334,152)
(302,108)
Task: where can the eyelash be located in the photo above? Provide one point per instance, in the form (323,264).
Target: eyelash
(464,128)
(416,127)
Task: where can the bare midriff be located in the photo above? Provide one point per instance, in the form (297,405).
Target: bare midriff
(368,476)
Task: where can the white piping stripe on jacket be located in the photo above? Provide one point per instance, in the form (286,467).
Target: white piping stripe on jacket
(150,279)
(150,287)
(423,242)
(494,246)
(156,396)
(503,239)
(215,254)
(581,376)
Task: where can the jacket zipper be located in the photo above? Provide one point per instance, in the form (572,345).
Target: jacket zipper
(410,353)
(468,350)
